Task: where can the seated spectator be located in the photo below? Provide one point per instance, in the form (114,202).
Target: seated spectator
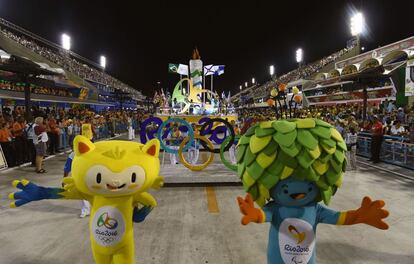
(397,129)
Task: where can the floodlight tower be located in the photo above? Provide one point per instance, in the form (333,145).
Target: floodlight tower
(271,71)
(299,56)
(102,61)
(357,26)
(66,41)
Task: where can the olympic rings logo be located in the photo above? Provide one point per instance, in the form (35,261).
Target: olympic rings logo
(108,222)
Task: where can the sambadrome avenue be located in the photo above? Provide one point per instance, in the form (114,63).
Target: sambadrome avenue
(206,132)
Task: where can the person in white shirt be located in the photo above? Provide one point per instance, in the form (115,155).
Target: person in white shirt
(397,129)
(194,150)
(174,138)
(71,132)
(131,130)
(351,143)
(85,205)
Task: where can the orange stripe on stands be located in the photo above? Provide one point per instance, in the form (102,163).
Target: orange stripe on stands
(212,200)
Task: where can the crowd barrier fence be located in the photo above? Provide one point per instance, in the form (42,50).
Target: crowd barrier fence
(394,150)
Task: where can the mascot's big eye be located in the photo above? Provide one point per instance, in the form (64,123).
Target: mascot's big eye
(286,191)
(98,178)
(133,177)
(309,189)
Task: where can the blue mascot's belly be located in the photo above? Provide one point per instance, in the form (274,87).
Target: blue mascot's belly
(292,236)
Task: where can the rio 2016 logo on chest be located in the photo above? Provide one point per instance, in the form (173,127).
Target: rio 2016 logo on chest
(108,226)
(296,241)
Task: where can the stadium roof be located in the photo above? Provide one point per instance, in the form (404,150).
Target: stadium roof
(14,95)
(13,48)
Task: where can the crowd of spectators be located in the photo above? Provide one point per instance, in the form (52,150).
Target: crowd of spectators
(36,89)
(395,121)
(298,73)
(67,62)
(60,126)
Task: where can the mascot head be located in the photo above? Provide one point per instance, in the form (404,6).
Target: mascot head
(294,162)
(114,168)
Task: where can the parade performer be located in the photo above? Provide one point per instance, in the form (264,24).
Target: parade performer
(194,150)
(114,177)
(287,167)
(131,128)
(87,130)
(232,149)
(174,138)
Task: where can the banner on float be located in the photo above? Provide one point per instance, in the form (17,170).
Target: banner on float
(178,68)
(409,78)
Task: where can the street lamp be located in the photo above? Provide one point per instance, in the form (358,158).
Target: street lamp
(66,41)
(103,62)
(245,84)
(271,70)
(241,87)
(299,56)
(253,81)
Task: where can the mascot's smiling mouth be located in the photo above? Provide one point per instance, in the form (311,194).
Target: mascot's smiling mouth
(112,188)
(298,196)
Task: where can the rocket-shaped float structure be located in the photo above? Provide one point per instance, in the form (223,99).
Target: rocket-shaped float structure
(196,70)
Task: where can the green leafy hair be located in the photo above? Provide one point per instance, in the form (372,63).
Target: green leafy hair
(306,149)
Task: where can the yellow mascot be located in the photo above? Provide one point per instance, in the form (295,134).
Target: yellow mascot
(114,177)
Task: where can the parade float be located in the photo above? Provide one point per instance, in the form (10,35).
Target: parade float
(190,99)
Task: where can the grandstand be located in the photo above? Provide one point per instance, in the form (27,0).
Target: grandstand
(344,77)
(256,95)
(370,77)
(76,72)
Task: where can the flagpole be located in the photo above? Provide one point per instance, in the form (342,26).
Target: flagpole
(181,84)
(204,80)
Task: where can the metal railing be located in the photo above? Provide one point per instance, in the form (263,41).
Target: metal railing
(394,150)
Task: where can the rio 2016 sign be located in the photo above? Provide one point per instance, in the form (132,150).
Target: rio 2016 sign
(150,127)
(224,136)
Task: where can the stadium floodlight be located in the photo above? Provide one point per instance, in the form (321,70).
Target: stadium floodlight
(272,70)
(66,41)
(103,62)
(246,84)
(299,55)
(253,81)
(357,24)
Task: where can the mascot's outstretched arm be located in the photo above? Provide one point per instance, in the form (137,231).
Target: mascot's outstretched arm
(147,200)
(370,213)
(31,192)
(250,213)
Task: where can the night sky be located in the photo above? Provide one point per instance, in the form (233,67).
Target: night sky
(139,40)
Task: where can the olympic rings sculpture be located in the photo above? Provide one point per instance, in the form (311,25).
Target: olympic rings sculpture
(161,132)
(197,167)
(219,129)
(160,135)
(223,159)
